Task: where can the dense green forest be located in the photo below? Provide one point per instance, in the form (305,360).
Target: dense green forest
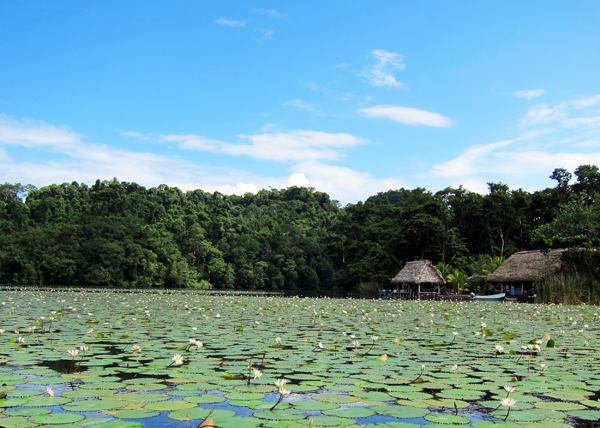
(298,239)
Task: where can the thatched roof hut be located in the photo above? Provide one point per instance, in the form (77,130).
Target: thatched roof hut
(528,266)
(419,272)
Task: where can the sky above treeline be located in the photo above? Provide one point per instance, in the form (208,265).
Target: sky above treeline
(349,97)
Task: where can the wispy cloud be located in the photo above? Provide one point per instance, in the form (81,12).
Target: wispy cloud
(264,34)
(230,22)
(85,162)
(306,151)
(531,93)
(299,104)
(325,90)
(382,72)
(342,183)
(586,102)
(134,135)
(270,12)
(408,115)
(279,146)
(564,135)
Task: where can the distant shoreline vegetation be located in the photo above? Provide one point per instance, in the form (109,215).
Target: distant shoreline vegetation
(297,240)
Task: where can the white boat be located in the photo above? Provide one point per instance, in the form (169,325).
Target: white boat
(491,298)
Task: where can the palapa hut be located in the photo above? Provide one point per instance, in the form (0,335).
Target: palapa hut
(418,280)
(518,274)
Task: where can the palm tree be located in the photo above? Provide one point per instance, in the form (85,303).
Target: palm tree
(459,279)
(492,264)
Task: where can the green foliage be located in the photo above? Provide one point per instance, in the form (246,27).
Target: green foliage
(121,234)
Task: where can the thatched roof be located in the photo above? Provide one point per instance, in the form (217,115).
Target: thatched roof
(418,272)
(528,266)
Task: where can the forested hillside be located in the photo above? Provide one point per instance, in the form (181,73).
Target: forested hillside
(298,239)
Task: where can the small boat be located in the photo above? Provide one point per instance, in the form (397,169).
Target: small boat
(491,298)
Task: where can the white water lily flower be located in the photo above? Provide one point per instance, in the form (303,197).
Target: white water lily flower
(284,392)
(257,374)
(356,343)
(455,333)
(454,367)
(278,340)
(509,389)
(374,338)
(543,366)
(136,348)
(508,402)
(280,383)
(422,367)
(21,339)
(499,348)
(320,345)
(73,352)
(84,348)
(178,359)
(49,391)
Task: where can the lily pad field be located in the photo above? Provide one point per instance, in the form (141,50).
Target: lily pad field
(110,358)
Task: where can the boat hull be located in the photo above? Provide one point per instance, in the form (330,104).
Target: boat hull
(492,298)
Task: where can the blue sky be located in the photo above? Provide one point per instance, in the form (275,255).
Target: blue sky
(350,97)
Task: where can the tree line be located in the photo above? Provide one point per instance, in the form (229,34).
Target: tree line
(120,234)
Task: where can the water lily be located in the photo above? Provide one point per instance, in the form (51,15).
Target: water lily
(49,392)
(280,383)
(499,349)
(257,374)
(136,348)
(509,389)
(73,352)
(508,403)
(177,359)
(278,340)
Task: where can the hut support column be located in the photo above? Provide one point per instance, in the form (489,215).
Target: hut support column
(419,293)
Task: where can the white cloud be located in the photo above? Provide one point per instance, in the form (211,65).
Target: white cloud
(408,115)
(541,114)
(560,115)
(529,94)
(382,72)
(270,12)
(134,135)
(194,142)
(586,102)
(298,179)
(36,134)
(562,136)
(85,162)
(344,183)
(297,103)
(227,189)
(280,146)
(264,34)
(294,146)
(230,22)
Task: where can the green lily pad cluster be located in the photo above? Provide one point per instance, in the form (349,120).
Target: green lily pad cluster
(138,358)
